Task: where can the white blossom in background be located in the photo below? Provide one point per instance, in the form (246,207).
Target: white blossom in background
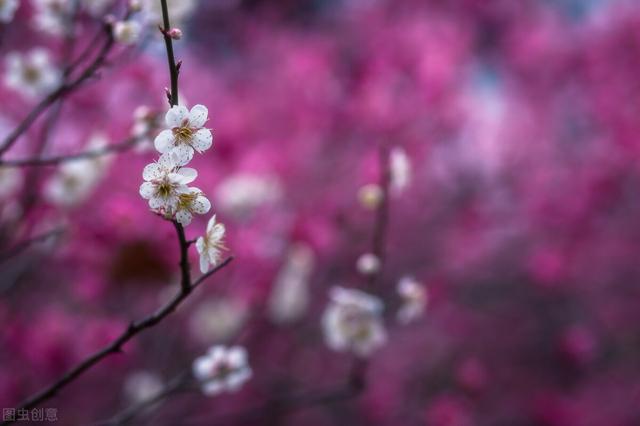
(242,193)
(414,298)
(353,322)
(217,320)
(186,133)
(210,245)
(7,10)
(290,295)
(142,385)
(179,11)
(370,196)
(74,181)
(52,16)
(368,264)
(127,32)
(10,181)
(144,122)
(96,8)
(222,369)
(400,169)
(164,182)
(31,74)
(189,203)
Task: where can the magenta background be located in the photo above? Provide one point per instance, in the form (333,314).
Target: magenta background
(521,119)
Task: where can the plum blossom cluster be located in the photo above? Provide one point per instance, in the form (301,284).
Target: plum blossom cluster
(222,369)
(166,180)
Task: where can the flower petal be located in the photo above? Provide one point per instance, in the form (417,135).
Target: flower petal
(204,263)
(152,171)
(212,387)
(201,205)
(183,154)
(156,203)
(198,116)
(164,141)
(176,116)
(202,367)
(184,217)
(146,190)
(202,140)
(211,223)
(200,245)
(188,174)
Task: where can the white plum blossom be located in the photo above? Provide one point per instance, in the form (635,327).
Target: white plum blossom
(52,16)
(218,319)
(10,181)
(7,10)
(370,196)
(75,180)
(127,32)
(400,170)
(290,295)
(243,192)
(31,74)
(186,133)
(210,245)
(164,183)
(142,385)
(414,299)
(190,202)
(222,369)
(368,264)
(353,322)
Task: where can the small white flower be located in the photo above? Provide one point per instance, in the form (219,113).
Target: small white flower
(243,192)
(352,322)
(186,133)
(370,196)
(222,369)
(10,181)
(75,180)
(217,319)
(7,10)
(400,169)
(52,16)
(32,74)
(290,295)
(190,202)
(164,182)
(142,385)
(368,264)
(126,32)
(414,299)
(210,245)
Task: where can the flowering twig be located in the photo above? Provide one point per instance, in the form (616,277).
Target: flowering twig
(58,159)
(116,345)
(65,89)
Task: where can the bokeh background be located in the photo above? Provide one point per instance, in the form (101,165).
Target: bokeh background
(521,120)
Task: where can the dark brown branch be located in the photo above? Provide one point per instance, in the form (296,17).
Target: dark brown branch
(185,281)
(58,159)
(168,41)
(116,345)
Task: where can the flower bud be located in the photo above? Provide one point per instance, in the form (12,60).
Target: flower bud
(175,33)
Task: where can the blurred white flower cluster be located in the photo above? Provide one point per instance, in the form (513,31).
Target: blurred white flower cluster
(31,74)
(7,10)
(222,369)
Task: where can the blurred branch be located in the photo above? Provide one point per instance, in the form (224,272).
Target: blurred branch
(55,160)
(178,384)
(24,245)
(116,345)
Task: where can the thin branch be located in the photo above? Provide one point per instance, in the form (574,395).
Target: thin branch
(58,159)
(62,91)
(24,245)
(168,42)
(116,345)
(185,281)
